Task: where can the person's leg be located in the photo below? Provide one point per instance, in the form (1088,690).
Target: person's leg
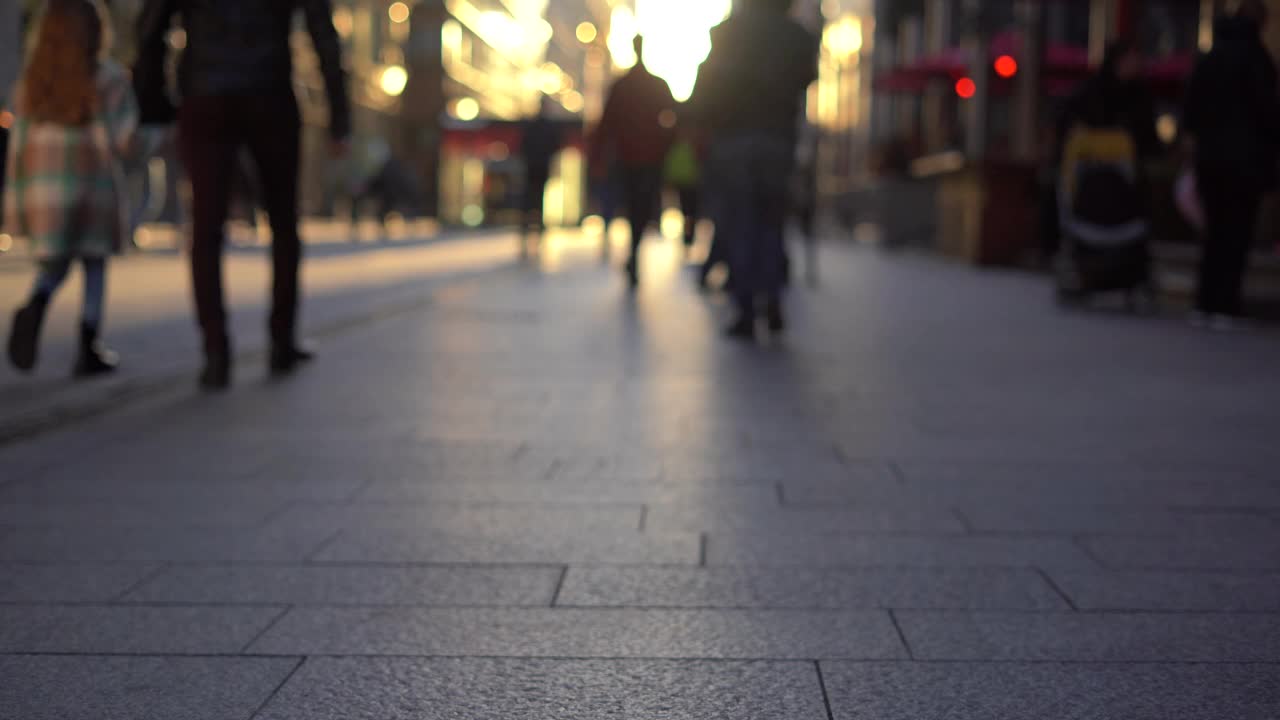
(1235,256)
(273,142)
(93,358)
(24,332)
(689,208)
(636,198)
(208,142)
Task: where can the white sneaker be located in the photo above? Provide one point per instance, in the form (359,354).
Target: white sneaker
(1227,323)
(1198,319)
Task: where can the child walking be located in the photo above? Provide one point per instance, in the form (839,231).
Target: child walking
(76,117)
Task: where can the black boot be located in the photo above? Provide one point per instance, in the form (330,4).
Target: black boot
(24,334)
(744,328)
(285,358)
(93,359)
(216,375)
(773,315)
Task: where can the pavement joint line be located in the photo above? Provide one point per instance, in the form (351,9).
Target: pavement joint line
(266,628)
(324,545)
(963,520)
(644,516)
(703,540)
(781,493)
(822,685)
(555,596)
(899,475)
(795,609)
(902,636)
(279,686)
(656,659)
(1057,588)
(127,392)
(142,582)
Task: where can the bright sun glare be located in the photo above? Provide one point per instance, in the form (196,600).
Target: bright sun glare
(677,38)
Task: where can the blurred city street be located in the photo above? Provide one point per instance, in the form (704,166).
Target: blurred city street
(516,490)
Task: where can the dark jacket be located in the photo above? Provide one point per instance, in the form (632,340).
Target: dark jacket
(633,123)
(539,143)
(1233,107)
(235,47)
(754,79)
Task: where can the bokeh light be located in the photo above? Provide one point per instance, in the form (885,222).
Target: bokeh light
(677,38)
(393,80)
(398,12)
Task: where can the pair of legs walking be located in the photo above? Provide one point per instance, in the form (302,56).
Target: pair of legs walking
(752,173)
(211,132)
(642,186)
(24,338)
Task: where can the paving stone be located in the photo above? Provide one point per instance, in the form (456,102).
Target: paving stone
(583,633)
(501,689)
(498,546)
(1171,591)
(90,629)
(157,545)
(1047,484)
(330,585)
(1189,553)
(828,550)
(112,513)
(180,488)
(94,688)
(581,492)
(433,517)
(1108,519)
(808,588)
(770,517)
(1093,637)
(1051,691)
(68,583)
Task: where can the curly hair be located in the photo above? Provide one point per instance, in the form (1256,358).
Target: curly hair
(59,82)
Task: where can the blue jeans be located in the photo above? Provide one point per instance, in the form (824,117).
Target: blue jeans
(753,171)
(54,272)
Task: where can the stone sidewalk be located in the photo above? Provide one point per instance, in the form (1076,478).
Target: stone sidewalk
(537,497)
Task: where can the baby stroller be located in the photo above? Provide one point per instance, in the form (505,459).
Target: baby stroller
(1105,231)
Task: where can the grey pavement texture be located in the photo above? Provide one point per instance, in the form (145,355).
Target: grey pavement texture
(533,495)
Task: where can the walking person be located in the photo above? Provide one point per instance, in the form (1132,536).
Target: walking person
(683,174)
(639,124)
(236,83)
(539,143)
(76,118)
(749,96)
(1232,116)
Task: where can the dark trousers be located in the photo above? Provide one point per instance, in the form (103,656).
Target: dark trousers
(690,207)
(211,131)
(1231,216)
(642,186)
(755,168)
(4,159)
(535,191)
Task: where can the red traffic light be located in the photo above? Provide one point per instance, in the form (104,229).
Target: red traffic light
(966,88)
(1006,66)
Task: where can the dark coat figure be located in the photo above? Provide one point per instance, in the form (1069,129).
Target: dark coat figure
(1233,115)
(539,144)
(236,83)
(638,125)
(748,98)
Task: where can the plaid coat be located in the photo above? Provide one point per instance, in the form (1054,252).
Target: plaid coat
(64,189)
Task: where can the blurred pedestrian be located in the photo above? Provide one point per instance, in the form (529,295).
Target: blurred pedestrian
(1232,116)
(1106,138)
(638,124)
(749,95)
(683,175)
(539,144)
(235,78)
(76,117)
(10,60)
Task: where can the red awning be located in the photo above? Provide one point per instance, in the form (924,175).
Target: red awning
(1064,67)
